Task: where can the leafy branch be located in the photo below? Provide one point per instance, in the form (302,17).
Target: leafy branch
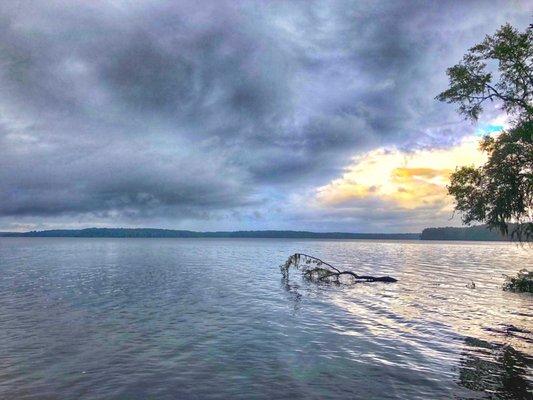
(317,270)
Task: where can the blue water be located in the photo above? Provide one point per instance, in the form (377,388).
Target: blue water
(213,319)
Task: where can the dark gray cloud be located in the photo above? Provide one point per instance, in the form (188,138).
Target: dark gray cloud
(126,111)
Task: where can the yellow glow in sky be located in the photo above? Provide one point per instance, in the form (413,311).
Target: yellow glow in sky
(407,179)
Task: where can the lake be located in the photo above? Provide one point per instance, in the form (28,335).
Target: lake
(213,318)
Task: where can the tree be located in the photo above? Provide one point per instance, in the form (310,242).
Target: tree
(500,192)
(471,85)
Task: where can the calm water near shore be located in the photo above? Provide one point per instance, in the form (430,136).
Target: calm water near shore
(213,318)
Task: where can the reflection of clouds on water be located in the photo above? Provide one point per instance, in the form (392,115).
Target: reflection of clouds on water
(414,331)
(495,369)
(160,318)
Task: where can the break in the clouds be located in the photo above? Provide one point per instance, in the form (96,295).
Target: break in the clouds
(410,185)
(218,115)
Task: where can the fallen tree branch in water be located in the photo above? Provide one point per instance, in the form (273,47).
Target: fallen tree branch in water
(317,270)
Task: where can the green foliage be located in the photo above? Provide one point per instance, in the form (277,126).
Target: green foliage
(522,282)
(471,85)
(501,191)
(477,232)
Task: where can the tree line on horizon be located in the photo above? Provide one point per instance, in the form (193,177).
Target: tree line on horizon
(171,233)
(480,232)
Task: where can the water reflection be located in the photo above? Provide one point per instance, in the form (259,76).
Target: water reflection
(498,370)
(294,296)
(167,319)
(426,319)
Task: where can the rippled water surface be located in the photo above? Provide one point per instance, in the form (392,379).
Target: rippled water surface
(206,318)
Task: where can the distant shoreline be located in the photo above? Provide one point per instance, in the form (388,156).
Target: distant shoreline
(474,233)
(169,233)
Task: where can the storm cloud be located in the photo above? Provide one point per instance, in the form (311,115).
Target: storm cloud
(215,114)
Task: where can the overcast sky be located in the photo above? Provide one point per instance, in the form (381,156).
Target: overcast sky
(215,115)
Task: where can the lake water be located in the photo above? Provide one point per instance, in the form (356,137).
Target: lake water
(213,318)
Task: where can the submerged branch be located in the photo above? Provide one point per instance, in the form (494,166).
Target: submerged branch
(318,260)
(318,270)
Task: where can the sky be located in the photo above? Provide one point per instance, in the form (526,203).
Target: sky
(236,115)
